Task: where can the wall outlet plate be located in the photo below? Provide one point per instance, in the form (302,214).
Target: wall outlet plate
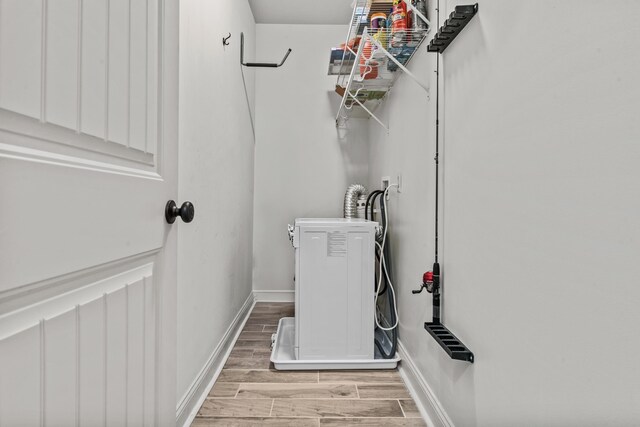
(385,182)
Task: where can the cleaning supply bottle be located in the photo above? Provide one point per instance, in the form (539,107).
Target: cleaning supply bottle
(418,23)
(378,24)
(398,23)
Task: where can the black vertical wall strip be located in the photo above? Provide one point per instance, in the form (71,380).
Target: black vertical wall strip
(437,157)
(447,340)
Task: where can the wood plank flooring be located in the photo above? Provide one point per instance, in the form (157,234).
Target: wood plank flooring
(249,392)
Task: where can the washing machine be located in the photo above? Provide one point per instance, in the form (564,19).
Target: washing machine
(334,325)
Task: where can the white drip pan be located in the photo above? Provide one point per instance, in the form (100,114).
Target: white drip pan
(283,357)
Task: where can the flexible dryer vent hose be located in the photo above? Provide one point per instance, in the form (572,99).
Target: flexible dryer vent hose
(351,200)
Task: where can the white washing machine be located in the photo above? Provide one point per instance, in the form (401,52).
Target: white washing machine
(334,325)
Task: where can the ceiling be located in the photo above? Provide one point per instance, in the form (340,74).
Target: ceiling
(301,11)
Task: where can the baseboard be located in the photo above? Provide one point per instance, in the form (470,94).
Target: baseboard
(274,296)
(427,402)
(197,393)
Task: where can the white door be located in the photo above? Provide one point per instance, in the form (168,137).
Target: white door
(88,159)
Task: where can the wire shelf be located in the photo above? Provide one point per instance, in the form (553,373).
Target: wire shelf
(373,59)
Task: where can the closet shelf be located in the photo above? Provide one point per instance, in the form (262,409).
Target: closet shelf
(373,59)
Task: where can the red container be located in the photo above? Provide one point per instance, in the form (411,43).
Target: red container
(399,23)
(399,16)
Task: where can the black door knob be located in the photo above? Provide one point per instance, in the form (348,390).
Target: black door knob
(172,211)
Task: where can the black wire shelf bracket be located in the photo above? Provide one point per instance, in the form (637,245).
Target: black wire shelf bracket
(458,19)
(260,64)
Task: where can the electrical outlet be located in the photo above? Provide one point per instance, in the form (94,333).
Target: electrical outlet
(386,181)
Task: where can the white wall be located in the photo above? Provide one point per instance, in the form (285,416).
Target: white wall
(216,174)
(540,231)
(303,165)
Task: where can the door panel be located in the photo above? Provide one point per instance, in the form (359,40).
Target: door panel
(20,380)
(139,74)
(118,72)
(93,68)
(116,360)
(96,358)
(60,368)
(21,62)
(87,217)
(88,150)
(91,363)
(87,66)
(61,95)
(135,353)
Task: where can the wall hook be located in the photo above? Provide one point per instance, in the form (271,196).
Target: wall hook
(225,40)
(259,64)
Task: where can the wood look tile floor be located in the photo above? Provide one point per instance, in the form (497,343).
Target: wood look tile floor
(249,392)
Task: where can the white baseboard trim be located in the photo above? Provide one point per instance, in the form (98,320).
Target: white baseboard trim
(274,296)
(196,394)
(427,402)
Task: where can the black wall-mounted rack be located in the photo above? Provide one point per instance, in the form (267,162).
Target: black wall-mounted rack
(458,19)
(449,342)
(443,336)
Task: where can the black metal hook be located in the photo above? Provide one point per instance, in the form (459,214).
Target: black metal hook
(259,64)
(225,40)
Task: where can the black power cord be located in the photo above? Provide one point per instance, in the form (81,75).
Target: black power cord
(390,336)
